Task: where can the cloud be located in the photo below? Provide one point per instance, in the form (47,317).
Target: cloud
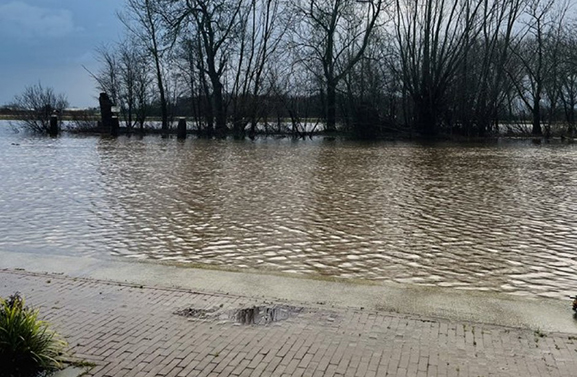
(21,20)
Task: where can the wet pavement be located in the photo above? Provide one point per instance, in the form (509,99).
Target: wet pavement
(132,330)
(484,307)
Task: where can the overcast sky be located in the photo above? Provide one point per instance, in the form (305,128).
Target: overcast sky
(48,41)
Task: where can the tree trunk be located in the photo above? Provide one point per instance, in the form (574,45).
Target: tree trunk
(331,107)
(426,116)
(130,110)
(220,113)
(537,116)
(163,106)
(571,118)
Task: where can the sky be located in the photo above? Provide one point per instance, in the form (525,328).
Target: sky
(49,42)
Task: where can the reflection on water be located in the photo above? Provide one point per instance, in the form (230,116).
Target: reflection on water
(498,217)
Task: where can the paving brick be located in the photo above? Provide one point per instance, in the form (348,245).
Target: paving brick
(133,332)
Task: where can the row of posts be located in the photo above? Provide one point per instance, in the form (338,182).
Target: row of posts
(112,124)
(115,127)
(180,130)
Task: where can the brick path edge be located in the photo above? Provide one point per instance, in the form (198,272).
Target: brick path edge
(132,330)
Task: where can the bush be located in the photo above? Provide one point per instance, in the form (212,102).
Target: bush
(35,105)
(27,346)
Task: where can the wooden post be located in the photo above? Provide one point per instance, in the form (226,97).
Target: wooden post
(114,126)
(181,130)
(53,131)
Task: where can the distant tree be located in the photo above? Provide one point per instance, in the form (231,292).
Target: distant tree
(434,38)
(263,24)
(126,76)
(188,60)
(568,68)
(333,36)
(108,77)
(481,85)
(144,21)
(217,26)
(536,55)
(136,81)
(36,104)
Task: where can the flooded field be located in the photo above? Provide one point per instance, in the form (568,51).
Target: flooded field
(496,217)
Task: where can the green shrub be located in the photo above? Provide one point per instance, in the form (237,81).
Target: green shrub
(27,346)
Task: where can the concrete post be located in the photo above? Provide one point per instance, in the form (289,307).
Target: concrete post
(105,112)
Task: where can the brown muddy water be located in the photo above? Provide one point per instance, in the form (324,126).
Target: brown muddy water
(495,217)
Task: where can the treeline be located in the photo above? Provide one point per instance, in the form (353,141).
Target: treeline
(427,67)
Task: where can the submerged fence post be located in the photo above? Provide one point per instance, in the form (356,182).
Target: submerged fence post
(181,130)
(53,130)
(114,126)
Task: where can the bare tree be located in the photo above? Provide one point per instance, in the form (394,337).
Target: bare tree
(108,77)
(215,24)
(552,86)
(263,24)
(568,79)
(433,39)
(482,85)
(35,106)
(332,36)
(145,21)
(135,85)
(125,75)
(187,60)
(544,20)
(443,65)
(295,90)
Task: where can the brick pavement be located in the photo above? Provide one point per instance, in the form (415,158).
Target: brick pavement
(129,330)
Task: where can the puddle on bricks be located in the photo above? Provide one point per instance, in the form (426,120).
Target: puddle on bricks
(249,315)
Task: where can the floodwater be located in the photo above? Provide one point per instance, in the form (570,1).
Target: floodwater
(495,217)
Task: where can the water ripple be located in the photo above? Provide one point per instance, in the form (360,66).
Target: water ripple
(498,217)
